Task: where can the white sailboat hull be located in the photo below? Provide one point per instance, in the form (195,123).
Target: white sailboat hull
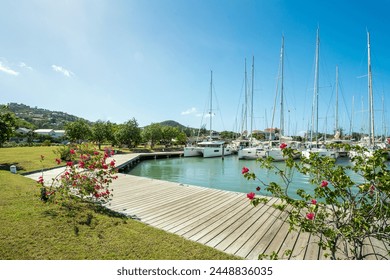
(322,152)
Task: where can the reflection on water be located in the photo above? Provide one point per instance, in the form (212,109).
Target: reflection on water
(220,174)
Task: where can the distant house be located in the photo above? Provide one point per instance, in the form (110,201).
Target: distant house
(50,132)
(22,130)
(45,132)
(59,133)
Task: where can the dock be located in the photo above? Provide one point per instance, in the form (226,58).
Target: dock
(220,219)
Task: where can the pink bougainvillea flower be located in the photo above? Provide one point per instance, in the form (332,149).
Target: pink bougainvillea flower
(72,151)
(324,184)
(40,180)
(258,189)
(310,216)
(313,201)
(251,195)
(245,170)
(58,160)
(283,146)
(81,164)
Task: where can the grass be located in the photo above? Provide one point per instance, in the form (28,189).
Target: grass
(28,158)
(33,230)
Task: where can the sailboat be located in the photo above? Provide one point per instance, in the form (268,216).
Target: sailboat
(321,150)
(370,144)
(253,151)
(211,147)
(274,149)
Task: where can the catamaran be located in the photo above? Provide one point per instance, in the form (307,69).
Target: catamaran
(212,147)
(316,147)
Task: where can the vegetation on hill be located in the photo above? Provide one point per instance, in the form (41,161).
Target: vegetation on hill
(34,117)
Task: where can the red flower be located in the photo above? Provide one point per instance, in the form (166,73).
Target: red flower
(112,163)
(310,216)
(95,153)
(324,184)
(81,164)
(251,195)
(313,201)
(258,189)
(40,180)
(58,160)
(104,166)
(245,170)
(283,146)
(69,163)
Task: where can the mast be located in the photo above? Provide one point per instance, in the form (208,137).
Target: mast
(282,90)
(352,114)
(279,78)
(211,104)
(370,94)
(315,98)
(246,103)
(253,81)
(337,100)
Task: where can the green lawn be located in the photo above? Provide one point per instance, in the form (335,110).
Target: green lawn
(28,158)
(31,229)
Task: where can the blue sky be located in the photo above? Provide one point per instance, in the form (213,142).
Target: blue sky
(151,59)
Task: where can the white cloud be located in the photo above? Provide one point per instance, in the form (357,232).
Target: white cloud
(189,111)
(62,70)
(8,70)
(24,65)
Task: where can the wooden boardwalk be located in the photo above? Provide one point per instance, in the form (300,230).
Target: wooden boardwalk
(219,219)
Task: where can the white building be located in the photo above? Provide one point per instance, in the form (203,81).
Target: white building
(46,132)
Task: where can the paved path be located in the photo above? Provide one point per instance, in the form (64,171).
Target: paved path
(219,219)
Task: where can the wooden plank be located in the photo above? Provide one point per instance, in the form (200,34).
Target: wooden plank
(253,251)
(299,250)
(237,225)
(207,226)
(203,215)
(313,250)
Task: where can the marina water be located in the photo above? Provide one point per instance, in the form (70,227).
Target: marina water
(220,174)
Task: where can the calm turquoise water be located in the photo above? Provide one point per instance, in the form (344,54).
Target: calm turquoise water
(214,173)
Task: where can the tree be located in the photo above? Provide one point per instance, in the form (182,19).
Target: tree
(111,129)
(128,133)
(181,138)
(7,124)
(345,213)
(168,134)
(78,131)
(99,132)
(152,133)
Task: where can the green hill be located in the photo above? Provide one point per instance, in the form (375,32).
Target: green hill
(34,117)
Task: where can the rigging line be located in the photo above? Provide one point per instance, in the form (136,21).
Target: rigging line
(218,108)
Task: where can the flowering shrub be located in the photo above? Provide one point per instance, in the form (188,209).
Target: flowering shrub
(88,175)
(346,215)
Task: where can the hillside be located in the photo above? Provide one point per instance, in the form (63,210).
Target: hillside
(34,118)
(42,118)
(173,124)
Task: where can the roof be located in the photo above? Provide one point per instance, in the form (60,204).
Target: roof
(23,129)
(43,130)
